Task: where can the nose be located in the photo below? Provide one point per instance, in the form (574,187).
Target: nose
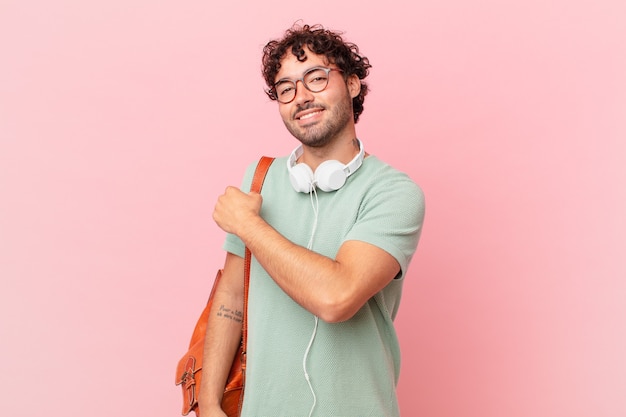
(303,95)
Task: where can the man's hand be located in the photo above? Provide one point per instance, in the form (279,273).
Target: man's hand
(234,209)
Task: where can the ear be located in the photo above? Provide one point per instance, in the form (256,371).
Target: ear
(354,85)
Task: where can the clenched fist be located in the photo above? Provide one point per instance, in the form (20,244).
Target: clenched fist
(235,210)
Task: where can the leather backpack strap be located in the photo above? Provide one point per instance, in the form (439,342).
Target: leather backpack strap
(257,183)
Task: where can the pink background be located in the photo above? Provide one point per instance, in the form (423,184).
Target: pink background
(121,122)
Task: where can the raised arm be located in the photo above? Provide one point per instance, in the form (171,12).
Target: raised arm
(332,289)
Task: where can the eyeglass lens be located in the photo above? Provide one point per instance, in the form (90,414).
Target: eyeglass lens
(315,80)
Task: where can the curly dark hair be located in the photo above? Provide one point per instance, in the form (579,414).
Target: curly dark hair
(320,41)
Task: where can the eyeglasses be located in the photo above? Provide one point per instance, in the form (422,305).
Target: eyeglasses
(314,80)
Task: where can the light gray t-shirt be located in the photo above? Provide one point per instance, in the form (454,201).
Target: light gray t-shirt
(354,365)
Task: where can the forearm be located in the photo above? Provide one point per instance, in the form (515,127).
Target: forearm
(222,340)
(318,283)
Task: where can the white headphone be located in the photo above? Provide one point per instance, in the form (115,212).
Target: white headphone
(330,175)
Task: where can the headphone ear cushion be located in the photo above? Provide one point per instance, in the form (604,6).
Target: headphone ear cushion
(301,177)
(330,175)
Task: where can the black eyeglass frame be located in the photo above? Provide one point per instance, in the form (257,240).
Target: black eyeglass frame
(327,70)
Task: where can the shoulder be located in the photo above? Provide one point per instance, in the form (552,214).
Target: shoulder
(385,189)
(384,178)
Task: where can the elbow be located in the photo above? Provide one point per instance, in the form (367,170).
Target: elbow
(336,318)
(337,310)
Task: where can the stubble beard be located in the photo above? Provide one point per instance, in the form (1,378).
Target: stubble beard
(323,133)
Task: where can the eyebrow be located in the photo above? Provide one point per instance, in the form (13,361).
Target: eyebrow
(283,80)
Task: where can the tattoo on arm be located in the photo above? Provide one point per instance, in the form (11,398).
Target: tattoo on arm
(227,313)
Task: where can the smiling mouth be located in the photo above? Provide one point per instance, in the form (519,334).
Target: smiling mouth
(309,115)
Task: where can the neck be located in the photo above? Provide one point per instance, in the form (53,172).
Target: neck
(343,151)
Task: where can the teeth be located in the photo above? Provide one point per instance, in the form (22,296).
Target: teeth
(308,115)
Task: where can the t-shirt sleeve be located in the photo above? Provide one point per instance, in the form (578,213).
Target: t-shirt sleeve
(391,218)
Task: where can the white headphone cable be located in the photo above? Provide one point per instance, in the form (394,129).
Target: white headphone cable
(306,374)
(315,206)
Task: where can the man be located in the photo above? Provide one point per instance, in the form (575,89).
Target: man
(331,237)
